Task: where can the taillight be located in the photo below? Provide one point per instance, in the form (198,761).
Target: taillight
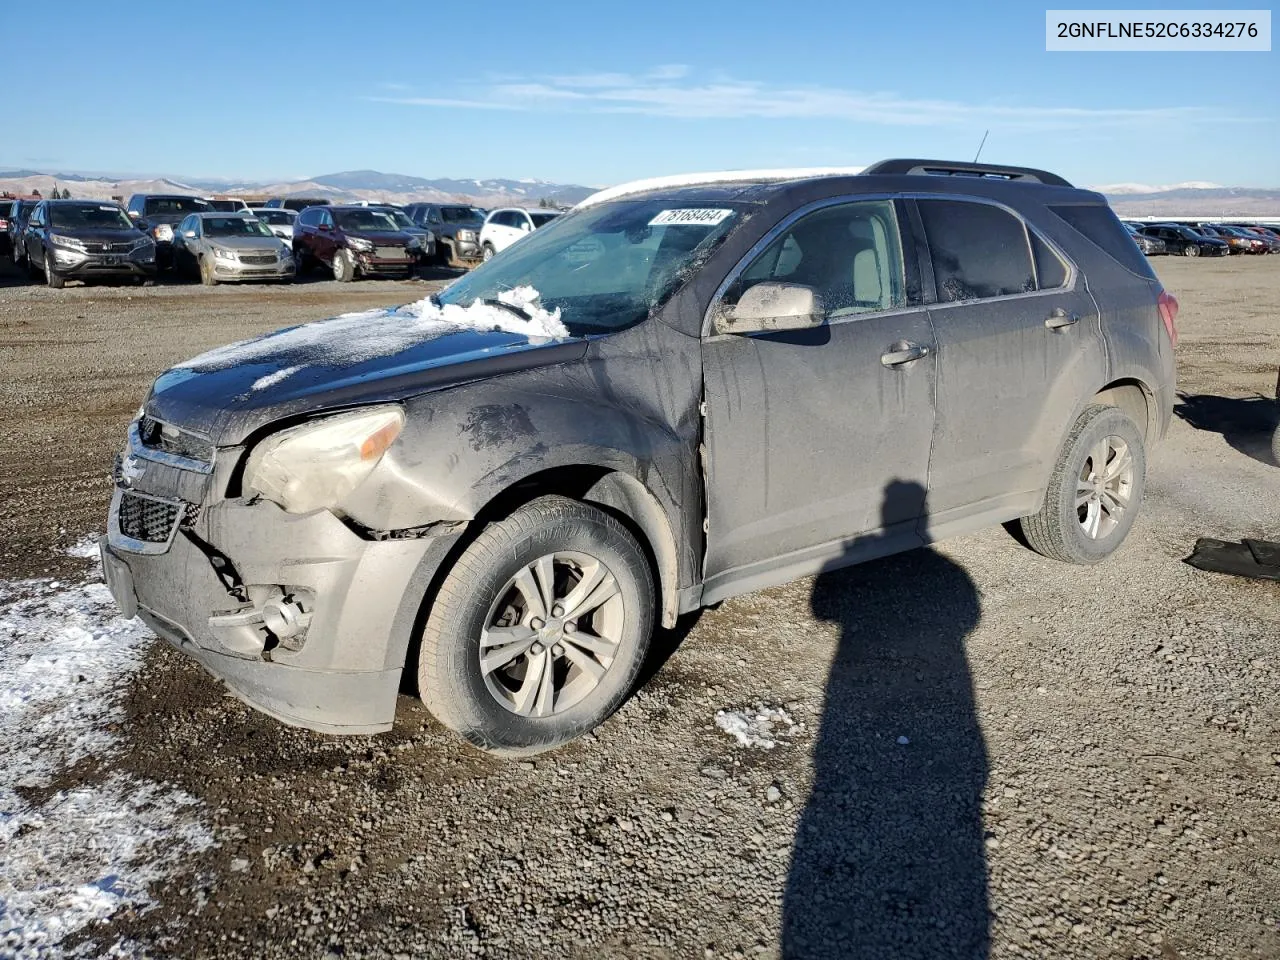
(1168,304)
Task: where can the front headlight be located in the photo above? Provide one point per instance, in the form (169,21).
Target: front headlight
(415,242)
(163,232)
(360,245)
(466,234)
(286,252)
(142,243)
(70,243)
(223,254)
(318,464)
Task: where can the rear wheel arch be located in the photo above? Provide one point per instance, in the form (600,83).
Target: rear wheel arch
(1137,400)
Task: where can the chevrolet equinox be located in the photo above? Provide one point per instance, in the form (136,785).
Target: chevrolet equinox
(676,393)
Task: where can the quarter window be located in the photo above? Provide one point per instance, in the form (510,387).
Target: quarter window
(978,250)
(1051,272)
(851,254)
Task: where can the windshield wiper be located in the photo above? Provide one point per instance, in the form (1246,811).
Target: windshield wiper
(518,311)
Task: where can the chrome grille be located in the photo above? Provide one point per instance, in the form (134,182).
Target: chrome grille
(257,258)
(167,438)
(124,247)
(152,519)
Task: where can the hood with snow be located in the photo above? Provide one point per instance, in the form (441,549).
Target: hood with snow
(378,355)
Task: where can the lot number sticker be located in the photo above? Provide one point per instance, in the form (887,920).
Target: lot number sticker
(694,216)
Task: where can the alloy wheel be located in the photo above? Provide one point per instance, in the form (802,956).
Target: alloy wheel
(1104,487)
(552,634)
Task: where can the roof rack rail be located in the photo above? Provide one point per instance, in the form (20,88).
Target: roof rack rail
(950,168)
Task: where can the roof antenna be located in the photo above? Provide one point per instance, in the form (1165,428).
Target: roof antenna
(981,145)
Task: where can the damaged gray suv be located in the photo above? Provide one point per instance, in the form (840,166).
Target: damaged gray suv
(674,394)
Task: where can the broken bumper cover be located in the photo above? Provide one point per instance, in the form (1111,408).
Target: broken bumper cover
(342,675)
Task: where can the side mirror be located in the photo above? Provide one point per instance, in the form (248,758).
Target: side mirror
(325,227)
(524,227)
(767,307)
(189,234)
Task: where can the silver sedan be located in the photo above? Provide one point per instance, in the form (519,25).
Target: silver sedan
(220,247)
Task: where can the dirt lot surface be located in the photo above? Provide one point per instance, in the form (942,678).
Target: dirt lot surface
(992,754)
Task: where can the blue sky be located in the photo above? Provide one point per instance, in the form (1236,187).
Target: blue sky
(597,92)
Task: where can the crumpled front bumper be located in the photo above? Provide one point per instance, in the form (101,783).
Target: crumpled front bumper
(365,598)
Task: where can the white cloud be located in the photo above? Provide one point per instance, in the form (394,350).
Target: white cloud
(670,90)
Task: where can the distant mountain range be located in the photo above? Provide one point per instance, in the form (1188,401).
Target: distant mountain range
(1194,198)
(348,185)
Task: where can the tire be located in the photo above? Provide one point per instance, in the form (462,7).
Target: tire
(1075,501)
(1191,250)
(504,710)
(486,254)
(206,272)
(51,277)
(344,268)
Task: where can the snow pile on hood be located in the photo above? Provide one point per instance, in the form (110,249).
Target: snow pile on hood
(356,337)
(760,727)
(74,857)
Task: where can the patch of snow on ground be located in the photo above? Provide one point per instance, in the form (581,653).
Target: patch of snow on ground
(760,727)
(70,857)
(356,337)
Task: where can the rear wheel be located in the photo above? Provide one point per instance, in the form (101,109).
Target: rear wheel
(51,276)
(1094,492)
(539,630)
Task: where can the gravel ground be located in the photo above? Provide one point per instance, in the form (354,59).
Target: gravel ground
(975,752)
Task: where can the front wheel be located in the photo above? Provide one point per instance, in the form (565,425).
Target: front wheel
(206,272)
(1095,490)
(51,276)
(344,268)
(487,253)
(1191,250)
(539,630)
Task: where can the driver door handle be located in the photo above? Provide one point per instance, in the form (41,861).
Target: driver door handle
(904,351)
(1060,318)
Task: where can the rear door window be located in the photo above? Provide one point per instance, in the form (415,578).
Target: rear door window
(978,250)
(1099,224)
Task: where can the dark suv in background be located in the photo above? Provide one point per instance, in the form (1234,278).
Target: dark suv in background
(15,215)
(456,227)
(353,242)
(665,398)
(86,240)
(158,214)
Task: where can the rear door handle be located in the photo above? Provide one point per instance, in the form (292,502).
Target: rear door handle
(1060,318)
(904,351)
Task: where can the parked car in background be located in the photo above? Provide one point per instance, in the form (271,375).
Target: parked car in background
(86,240)
(508,511)
(278,220)
(352,242)
(456,227)
(1249,242)
(504,227)
(425,251)
(1270,238)
(1183,240)
(226,204)
(1151,246)
(296,203)
(158,213)
(224,247)
(16,217)
(1236,243)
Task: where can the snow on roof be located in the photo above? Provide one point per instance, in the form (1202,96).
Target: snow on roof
(720,176)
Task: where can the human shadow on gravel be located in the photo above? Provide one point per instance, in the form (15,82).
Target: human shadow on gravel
(1248,424)
(889,857)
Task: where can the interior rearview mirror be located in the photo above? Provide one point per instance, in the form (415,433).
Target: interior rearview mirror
(773,306)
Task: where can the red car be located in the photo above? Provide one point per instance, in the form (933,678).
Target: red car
(353,242)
